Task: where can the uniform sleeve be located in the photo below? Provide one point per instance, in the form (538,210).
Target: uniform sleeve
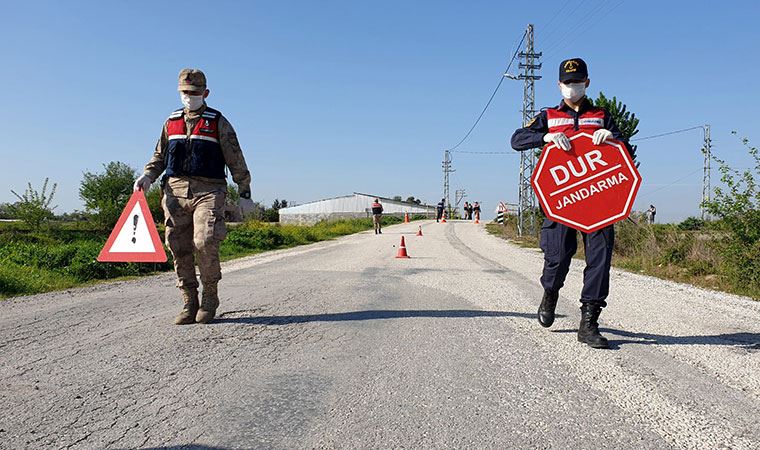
(531,135)
(609,124)
(157,163)
(233,156)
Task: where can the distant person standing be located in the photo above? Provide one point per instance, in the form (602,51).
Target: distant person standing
(466,209)
(439,210)
(652,212)
(469,211)
(377,216)
(476,210)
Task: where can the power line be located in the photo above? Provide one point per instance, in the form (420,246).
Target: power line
(501,80)
(567,2)
(698,127)
(560,31)
(647,194)
(469,152)
(579,29)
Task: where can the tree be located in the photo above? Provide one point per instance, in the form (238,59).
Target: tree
(625,120)
(6,211)
(411,199)
(232,194)
(273,214)
(153,196)
(33,208)
(105,194)
(397,198)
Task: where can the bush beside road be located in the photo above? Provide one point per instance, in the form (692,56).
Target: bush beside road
(692,252)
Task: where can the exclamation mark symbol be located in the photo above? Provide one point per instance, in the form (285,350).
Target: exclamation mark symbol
(135,219)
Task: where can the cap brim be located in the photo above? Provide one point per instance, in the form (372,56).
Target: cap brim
(190,87)
(573,78)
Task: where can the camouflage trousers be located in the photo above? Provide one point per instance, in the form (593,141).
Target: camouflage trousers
(195,226)
(377,220)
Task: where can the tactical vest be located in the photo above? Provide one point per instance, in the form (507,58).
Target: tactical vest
(561,121)
(198,154)
(377,208)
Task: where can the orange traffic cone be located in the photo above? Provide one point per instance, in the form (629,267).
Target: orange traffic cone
(406,217)
(443,217)
(402,249)
(477,221)
(419,233)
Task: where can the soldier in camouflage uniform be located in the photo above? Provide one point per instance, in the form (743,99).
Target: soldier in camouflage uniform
(196,144)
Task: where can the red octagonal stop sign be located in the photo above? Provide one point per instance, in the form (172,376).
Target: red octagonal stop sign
(590,186)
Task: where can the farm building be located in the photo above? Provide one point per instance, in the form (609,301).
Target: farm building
(349,206)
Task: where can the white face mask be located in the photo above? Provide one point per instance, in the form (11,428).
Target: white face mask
(573,91)
(191,102)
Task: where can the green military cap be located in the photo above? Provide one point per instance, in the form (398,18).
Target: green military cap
(192,80)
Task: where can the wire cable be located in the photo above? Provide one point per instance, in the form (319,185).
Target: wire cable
(501,80)
(472,152)
(647,194)
(562,8)
(701,127)
(582,27)
(556,33)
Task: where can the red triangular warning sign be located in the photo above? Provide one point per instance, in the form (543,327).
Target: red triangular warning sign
(135,237)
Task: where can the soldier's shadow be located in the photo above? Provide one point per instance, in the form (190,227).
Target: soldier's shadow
(619,338)
(250,317)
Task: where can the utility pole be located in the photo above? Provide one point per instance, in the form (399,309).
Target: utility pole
(707,152)
(446,171)
(459,195)
(526,203)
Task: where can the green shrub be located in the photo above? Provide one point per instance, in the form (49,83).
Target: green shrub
(692,224)
(736,205)
(16,279)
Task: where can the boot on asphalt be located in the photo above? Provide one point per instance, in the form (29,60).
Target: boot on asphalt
(209,303)
(187,316)
(546,310)
(588,331)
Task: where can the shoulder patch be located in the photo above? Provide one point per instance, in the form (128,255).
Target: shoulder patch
(531,122)
(210,114)
(176,114)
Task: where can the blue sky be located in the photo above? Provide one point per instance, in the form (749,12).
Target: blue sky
(340,96)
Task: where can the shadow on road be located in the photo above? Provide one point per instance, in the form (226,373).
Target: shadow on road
(747,341)
(185,447)
(364,315)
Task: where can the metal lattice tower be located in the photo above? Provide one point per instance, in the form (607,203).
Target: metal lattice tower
(526,203)
(707,152)
(446,171)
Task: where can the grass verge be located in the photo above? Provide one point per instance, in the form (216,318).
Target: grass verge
(63,256)
(665,251)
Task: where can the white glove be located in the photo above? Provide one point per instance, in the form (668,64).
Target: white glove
(601,135)
(142,184)
(246,206)
(559,139)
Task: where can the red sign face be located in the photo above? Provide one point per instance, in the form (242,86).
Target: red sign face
(590,186)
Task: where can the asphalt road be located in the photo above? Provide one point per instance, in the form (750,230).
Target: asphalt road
(340,344)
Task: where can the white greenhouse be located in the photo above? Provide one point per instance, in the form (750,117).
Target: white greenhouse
(349,206)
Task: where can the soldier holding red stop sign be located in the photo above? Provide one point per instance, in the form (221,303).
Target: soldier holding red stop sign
(576,113)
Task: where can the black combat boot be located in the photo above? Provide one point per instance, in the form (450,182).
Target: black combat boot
(546,310)
(588,331)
